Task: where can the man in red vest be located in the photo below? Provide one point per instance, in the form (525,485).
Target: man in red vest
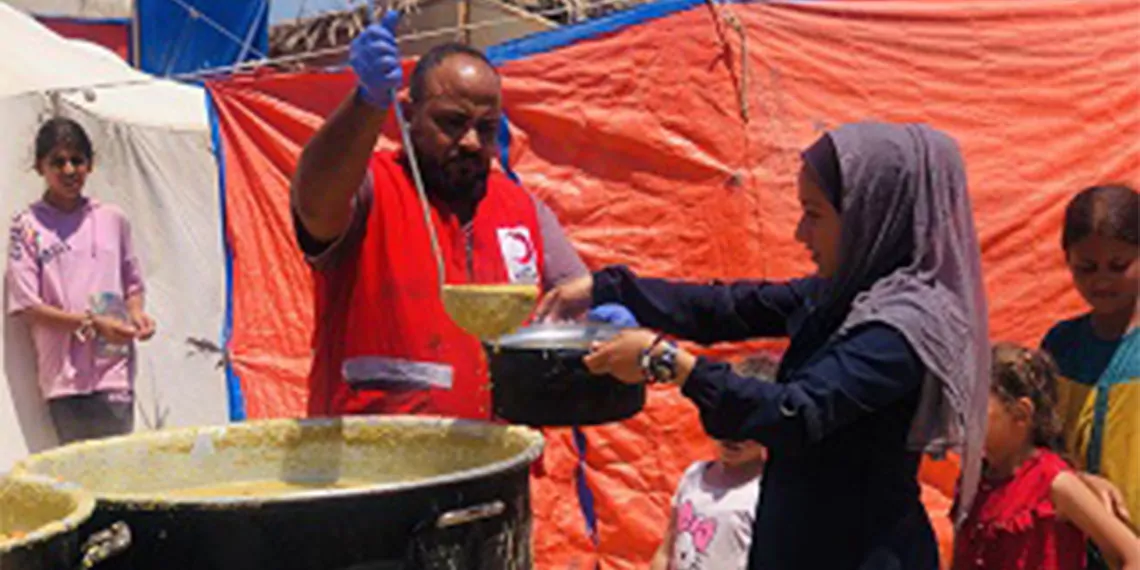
(358,219)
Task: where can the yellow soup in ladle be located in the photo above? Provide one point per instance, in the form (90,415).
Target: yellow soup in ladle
(489,311)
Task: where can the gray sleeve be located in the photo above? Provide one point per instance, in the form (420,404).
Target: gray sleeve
(561,261)
(322,254)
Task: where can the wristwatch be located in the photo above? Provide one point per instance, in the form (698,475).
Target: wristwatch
(663,366)
(659,368)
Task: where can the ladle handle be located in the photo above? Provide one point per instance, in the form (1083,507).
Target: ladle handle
(410,151)
(405,135)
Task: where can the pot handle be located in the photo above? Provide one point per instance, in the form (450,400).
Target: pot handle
(422,548)
(105,544)
(459,517)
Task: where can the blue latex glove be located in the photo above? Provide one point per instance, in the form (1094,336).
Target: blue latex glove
(375,58)
(614,314)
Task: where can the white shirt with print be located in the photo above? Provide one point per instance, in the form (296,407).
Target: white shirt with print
(713,525)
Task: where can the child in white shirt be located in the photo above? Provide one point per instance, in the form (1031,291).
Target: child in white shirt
(715,503)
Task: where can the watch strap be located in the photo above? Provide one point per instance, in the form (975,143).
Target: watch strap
(645,362)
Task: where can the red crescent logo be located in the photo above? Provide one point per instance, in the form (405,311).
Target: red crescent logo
(528,255)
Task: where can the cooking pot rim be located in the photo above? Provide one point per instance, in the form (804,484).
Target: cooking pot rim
(152,500)
(84,507)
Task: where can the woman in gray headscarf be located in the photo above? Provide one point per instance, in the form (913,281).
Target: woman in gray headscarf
(889,355)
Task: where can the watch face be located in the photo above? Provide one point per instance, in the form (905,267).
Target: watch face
(663,367)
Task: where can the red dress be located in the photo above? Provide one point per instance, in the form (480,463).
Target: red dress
(1014,524)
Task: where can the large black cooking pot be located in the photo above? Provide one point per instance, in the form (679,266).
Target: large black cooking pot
(538,378)
(419,493)
(39,527)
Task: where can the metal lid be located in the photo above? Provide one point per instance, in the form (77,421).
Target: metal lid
(560,336)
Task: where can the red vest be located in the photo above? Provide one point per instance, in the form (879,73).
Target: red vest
(378,307)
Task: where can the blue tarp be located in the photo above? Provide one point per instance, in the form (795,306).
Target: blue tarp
(184,36)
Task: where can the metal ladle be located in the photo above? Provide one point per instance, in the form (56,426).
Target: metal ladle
(484,310)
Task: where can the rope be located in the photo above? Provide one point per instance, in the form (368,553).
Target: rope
(255,64)
(197,15)
(734,22)
(726,15)
(585,494)
(301,9)
(247,43)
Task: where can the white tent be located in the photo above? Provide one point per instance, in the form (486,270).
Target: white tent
(154,160)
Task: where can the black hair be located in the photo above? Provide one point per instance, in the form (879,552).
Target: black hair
(61,131)
(1019,372)
(433,58)
(1110,211)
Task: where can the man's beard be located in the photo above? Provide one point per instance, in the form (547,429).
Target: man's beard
(461,179)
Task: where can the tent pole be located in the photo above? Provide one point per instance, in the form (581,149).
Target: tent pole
(54,96)
(463,13)
(253,27)
(136,35)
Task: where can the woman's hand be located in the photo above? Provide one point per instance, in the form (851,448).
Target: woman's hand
(620,356)
(566,302)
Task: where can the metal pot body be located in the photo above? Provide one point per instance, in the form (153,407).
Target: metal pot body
(538,379)
(56,553)
(429,494)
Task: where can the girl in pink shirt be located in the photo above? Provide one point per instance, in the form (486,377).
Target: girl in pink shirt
(73,276)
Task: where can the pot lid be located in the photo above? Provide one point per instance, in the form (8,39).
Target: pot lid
(558,336)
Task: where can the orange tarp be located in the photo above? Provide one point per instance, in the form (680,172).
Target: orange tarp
(636,136)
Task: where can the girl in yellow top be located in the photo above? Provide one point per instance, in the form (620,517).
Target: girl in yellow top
(1099,353)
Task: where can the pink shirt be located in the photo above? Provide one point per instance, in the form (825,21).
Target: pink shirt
(76,261)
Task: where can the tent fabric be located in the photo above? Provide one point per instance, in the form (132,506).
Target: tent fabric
(80,68)
(183,36)
(633,128)
(154,160)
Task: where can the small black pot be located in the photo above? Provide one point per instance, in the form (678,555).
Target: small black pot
(538,379)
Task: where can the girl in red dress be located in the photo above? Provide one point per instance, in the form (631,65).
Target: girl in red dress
(1031,510)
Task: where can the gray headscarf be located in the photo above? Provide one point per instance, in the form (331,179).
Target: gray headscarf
(910,259)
